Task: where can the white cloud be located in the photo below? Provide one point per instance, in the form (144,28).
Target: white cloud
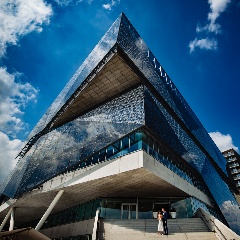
(188,156)
(18,18)
(231,212)
(13,98)
(8,151)
(216,8)
(215,28)
(223,142)
(108,6)
(63,3)
(205,43)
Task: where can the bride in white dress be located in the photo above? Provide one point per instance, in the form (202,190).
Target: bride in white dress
(160,223)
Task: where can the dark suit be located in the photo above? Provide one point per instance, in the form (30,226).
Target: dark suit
(165,217)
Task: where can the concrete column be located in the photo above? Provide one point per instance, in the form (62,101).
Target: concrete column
(12,219)
(49,210)
(5,219)
(95,225)
(137,210)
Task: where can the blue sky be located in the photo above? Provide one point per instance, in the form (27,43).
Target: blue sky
(42,44)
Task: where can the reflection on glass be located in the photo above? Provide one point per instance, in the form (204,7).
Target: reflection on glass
(145,209)
(129,211)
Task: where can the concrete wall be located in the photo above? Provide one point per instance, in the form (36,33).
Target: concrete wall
(166,174)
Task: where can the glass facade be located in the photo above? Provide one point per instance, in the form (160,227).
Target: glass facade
(137,140)
(123,208)
(56,151)
(199,149)
(120,208)
(81,212)
(175,137)
(146,117)
(141,140)
(101,52)
(136,49)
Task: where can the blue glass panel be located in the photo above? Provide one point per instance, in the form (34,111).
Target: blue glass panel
(103,47)
(80,214)
(159,121)
(136,49)
(110,151)
(96,158)
(88,210)
(80,138)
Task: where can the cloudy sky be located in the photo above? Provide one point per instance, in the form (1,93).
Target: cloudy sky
(42,44)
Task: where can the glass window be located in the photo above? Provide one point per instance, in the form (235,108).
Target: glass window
(110,151)
(125,143)
(145,147)
(68,215)
(144,138)
(150,143)
(136,146)
(113,209)
(95,158)
(103,204)
(74,213)
(80,213)
(82,164)
(88,161)
(132,137)
(145,208)
(138,136)
(116,146)
(102,155)
(88,210)
(96,204)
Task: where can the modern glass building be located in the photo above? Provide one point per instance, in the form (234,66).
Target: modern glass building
(233,168)
(121,142)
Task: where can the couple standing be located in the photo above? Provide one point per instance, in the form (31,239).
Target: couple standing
(162,222)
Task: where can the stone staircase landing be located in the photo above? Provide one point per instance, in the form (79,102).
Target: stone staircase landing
(139,229)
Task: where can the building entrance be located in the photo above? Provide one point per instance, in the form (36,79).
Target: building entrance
(129,211)
(140,208)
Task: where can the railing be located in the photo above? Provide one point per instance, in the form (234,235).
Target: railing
(234,165)
(236,177)
(231,159)
(235,171)
(222,231)
(228,154)
(238,184)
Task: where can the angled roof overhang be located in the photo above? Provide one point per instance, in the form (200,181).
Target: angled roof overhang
(135,175)
(105,82)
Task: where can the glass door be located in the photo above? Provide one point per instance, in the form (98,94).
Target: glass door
(129,211)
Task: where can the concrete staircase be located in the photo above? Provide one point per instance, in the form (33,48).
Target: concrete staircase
(139,229)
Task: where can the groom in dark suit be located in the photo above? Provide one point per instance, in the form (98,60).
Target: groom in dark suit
(165,217)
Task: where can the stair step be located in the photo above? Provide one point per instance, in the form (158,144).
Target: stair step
(179,229)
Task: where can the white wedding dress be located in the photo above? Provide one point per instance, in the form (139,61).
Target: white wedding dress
(160,226)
